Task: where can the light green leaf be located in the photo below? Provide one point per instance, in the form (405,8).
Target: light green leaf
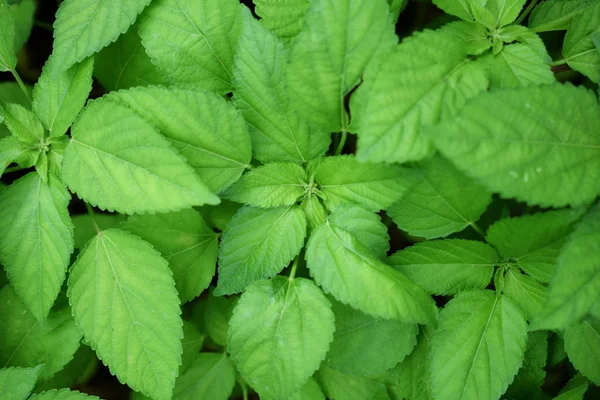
(545,155)
(13,150)
(59,95)
(36,240)
(78,371)
(117,161)
(212,376)
(135,331)
(203,127)
(216,317)
(63,394)
(193,42)
(533,241)
(315,211)
(257,245)
(579,49)
(8,57)
(340,386)
(27,343)
(446,267)
(524,35)
(387,341)
(329,56)
(125,64)
(528,294)
(285,18)
(440,201)
(556,15)
(354,275)
(86,230)
(84,27)
(260,93)
(186,242)
(575,285)
(582,343)
(396,7)
(23,124)
(310,391)
(17,383)
(505,11)
(279,333)
(463,9)
(528,382)
(427,88)
(478,347)
(23,14)
(344,180)
(574,390)
(473,36)
(272,185)
(191,344)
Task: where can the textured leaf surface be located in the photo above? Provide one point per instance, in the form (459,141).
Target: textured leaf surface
(83,27)
(117,161)
(191,344)
(13,150)
(478,347)
(579,48)
(17,383)
(216,317)
(284,17)
(63,394)
(440,201)
(446,267)
(203,127)
(22,123)
(529,380)
(86,230)
(546,154)
(258,244)
(556,15)
(330,54)
(463,9)
(527,293)
(8,58)
(582,344)
(81,368)
(340,386)
(279,333)
(505,11)
(23,14)
(412,374)
(212,376)
(186,242)
(278,134)
(36,240)
(135,331)
(193,42)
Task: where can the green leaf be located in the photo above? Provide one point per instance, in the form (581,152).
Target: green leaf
(261,95)
(579,48)
(354,275)
(524,35)
(446,267)
(387,341)
(272,185)
(505,11)
(125,64)
(257,245)
(86,230)
(78,371)
(440,201)
(84,27)
(340,386)
(344,180)
(582,343)
(575,285)
(216,317)
(574,390)
(556,15)
(478,347)
(186,242)
(545,154)
(212,376)
(396,7)
(203,127)
(199,52)
(27,343)
(285,18)
(191,344)
(527,293)
(314,210)
(279,333)
(17,383)
(8,57)
(528,382)
(427,88)
(310,391)
(463,9)
(473,36)
(117,161)
(63,394)
(136,332)
(59,95)
(23,124)
(36,240)
(13,150)
(23,15)
(329,56)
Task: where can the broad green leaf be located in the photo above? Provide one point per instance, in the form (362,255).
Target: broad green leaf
(517,65)
(23,15)
(135,331)
(344,180)
(191,344)
(527,293)
(279,333)
(329,56)
(354,275)
(574,390)
(440,201)
(478,347)
(528,382)
(315,211)
(13,150)
(59,95)
(63,394)
(556,15)
(579,48)
(257,245)
(203,127)
(261,95)
(216,317)
(17,383)
(505,11)
(78,371)
(85,229)
(272,185)
(524,35)
(284,17)
(546,154)
(186,242)
(10,92)
(582,343)
(117,161)
(192,42)
(36,240)
(340,386)
(472,35)
(446,267)
(125,64)
(212,376)
(27,343)
(23,124)
(575,285)
(410,90)
(533,241)
(84,27)
(310,391)
(364,345)
(463,9)
(8,57)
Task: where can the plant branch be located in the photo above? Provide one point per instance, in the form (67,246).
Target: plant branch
(342,143)
(90,211)
(44,25)
(527,11)
(477,229)
(294,268)
(21,84)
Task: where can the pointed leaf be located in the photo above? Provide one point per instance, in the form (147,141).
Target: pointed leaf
(556,15)
(527,293)
(463,9)
(212,376)
(574,390)
(13,150)
(582,343)
(505,11)
(22,123)
(8,57)
(528,382)
(285,18)
(191,344)
(17,383)
(579,48)
(412,374)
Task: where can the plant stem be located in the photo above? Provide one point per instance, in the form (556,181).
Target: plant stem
(294,268)
(342,143)
(13,169)
(477,229)
(525,13)
(44,25)
(558,62)
(90,211)
(244,390)
(21,84)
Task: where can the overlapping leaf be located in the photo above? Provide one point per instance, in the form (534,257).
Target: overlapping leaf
(17,383)
(8,57)
(579,48)
(556,15)
(582,344)
(211,376)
